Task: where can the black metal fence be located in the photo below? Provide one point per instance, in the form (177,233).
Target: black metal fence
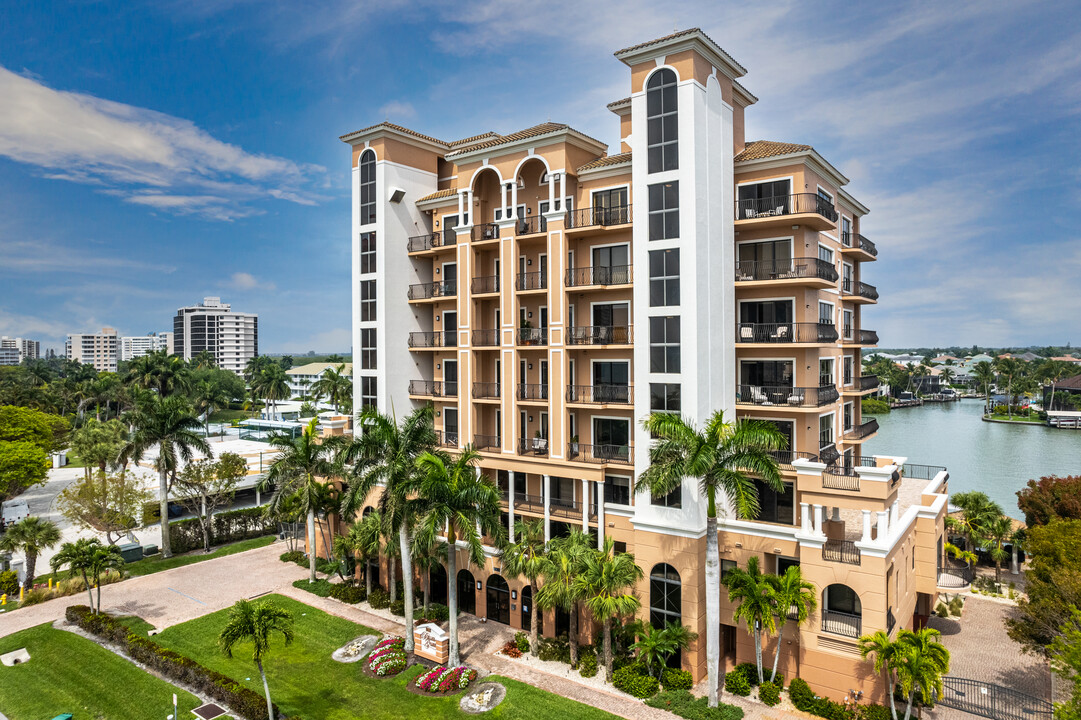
(600,335)
(786,333)
(785,269)
(993,701)
(785,205)
(599,216)
(599,275)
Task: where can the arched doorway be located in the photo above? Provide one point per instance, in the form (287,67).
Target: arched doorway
(498,599)
(437,584)
(527,602)
(467,592)
(842,612)
(666,602)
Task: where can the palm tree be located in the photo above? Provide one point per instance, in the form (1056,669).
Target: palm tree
(425,561)
(566,559)
(78,556)
(256,623)
(273,385)
(98,443)
(795,598)
(168,423)
(984,374)
(204,360)
(607,583)
(946,374)
(886,657)
(365,539)
(386,454)
(977,510)
(1010,371)
(996,532)
(463,505)
(334,384)
(756,598)
(208,396)
(102,559)
(655,645)
(158,371)
(30,536)
(526,558)
(722,456)
(922,662)
(1053,371)
(301,469)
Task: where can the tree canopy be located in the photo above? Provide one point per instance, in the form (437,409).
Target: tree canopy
(1051,498)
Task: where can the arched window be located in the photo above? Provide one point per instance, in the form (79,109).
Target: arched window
(367,187)
(665,596)
(842,612)
(662,119)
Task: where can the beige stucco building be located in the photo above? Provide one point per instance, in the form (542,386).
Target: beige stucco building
(546,296)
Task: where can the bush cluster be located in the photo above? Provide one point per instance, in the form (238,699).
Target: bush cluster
(379,599)
(351,594)
(634,680)
(750,671)
(521,639)
(172,665)
(587,665)
(9,583)
(557,649)
(397,607)
(736,682)
(801,695)
(229,526)
(388,657)
(293,556)
(682,703)
(675,679)
(444,680)
(769,693)
(437,613)
(511,650)
(956,606)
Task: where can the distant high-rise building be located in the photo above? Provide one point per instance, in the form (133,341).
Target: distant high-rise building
(13,350)
(138,345)
(231,337)
(102,350)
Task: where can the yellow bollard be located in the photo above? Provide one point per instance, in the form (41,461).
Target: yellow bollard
(4,599)
(50,583)
(22,591)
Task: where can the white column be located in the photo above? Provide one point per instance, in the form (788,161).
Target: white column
(818,512)
(883,525)
(510,506)
(600,517)
(562,190)
(836,515)
(469,202)
(503,200)
(551,192)
(546,494)
(895,508)
(258,497)
(805,517)
(514,199)
(585,505)
(461,208)
(866,526)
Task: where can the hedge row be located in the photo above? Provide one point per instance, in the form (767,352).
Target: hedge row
(172,665)
(682,703)
(229,526)
(801,695)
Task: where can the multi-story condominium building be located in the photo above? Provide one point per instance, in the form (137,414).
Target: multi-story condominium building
(302,377)
(231,337)
(546,297)
(102,350)
(13,350)
(139,345)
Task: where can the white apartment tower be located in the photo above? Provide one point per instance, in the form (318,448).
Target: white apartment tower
(134,346)
(102,350)
(13,350)
(231,337)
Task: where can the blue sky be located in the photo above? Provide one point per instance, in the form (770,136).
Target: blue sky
(151,154)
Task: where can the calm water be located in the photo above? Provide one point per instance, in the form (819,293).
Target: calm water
(995,458)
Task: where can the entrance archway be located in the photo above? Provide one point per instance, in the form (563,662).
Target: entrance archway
(467,592)
(498,597)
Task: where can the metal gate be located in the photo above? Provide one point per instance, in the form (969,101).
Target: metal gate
(992,701)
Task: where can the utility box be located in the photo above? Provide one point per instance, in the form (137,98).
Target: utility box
(149,550)
(432,642)
(131,552)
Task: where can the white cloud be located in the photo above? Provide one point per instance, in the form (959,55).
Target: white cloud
(397,110)
(247,281)
(43,256)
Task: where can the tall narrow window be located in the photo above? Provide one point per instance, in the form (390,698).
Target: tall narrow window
(367,349)
(662,131)
(367,187)
(664,211)
(367,253)
(367,300)
(664,344)
(663,278)
(664,397)
(367,392)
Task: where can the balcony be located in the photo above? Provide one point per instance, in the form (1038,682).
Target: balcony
(484,232)
(537,447)
(446,438)
(785,333)
(600,335)
(486,442)
(531,281)
(954,575)
(486,391)
(841,478)
(528,503)
(532,336)
(854,336)
(485,338)
(431,241)
(432,340)
(784,396)
(819,271)
(433,290)
(530,225)
(841,551)
(601,454)
(484,285)
(861,432)
(599,276)
(785,458)
(433,388)
(600,394)
(858,292)
(598,217)
(869,382)
(891,621)
(842,623)
(813,210)
(532,392)
(854,244)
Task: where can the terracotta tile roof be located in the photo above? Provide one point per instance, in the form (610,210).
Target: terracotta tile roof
(606,161)
(449,192)
(618,103)
(759,149)
(657,41)
(535,131)
(1072,383)
(474,139)
(392,126)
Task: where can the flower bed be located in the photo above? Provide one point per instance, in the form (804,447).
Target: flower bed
(445,679)
(388,657)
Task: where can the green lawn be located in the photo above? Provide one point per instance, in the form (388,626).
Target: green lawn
(304,681)
(68,673)
(149,566)
(225,416)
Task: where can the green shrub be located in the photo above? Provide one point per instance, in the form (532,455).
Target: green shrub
(35,596)
(557,649)
(769,694)
(322,588)
(347,593)
(379,599)
(397,607)
(635,681)
(799,692)
(685,705)
(587,665)
(874,406)
(437,612)
(226,527)
(736,683)
(521,639)
(293,556)
(875,712)
(9,583)
(674,679)
(956,605)
(750,671)
(941,610)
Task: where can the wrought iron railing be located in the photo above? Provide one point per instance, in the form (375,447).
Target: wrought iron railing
(433,388)
(533,336)
(841,478)
(486,391)
(841,551)
(486,442)
(921,472)
(487,231)
(869,382)
(854,240)
(581,452)
(531,281)
(600,394)
(783,395)
(485,284)
(532,391)
(431,241)
(599,275)
(433,339)
(485,338)
(599,216)
(786,333)
(862,430)
(785,269)
(868,337)
(867,291)
(427,291)
(867,246)
(785,458)
(529,503)
(531,224)
(842,623)
(955,575)
(447,438)
(537,446)
(600,335)
(785,205)
(891,621)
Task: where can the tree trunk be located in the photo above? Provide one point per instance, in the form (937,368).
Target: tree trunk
(31,566)
(97,587)
(311,545)
(533,620)
(163,508)
(777,652)
(368,575)
(266,690)
(392,582)
(888,680)
(908,710)
(1013,558)
(573,633)
(452,602)
(607,645)
(758,650)
(407,584)
(89,592)
(427,579)
(713,603)
(204,521)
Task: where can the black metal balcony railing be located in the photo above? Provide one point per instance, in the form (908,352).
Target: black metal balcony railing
(786,205)
(867,291)
(566,508)
(921,472)
(599,275)
(420,243)
(486,391)
(600,335)
(537,446)
(785,269)
(485,338)
(868,337)
(599,216)
(487,231)
(532,391)
(786,333)
(600,394)
(842,623)
(486,442)
(954,575)
(531,281)
(868,247)
(530,225)
(869,382)
(891,621)
(447,438)
(783,395)
(849,239)
(529,503)
(621,454)
(785,458)
(827,451)
(533,336)
(862,431)
(486,284)
(841,551)
(427,291)
(433,388)
(433,339)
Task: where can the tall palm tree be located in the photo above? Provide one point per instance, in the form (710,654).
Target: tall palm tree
(169,424)
(463,505)
(977,510)
(208,396)
(722,456)
(607,583)
(365,538)
(204,360)
(984,374)
(566,559)
(386,454)
(30,536)
(273,386)
(996,532)
(1009,373)
(922,662)
(102,559)
(256,623)
(303,466)
(795,598)
(158,371)
(526,558)
(78,556)
(756,598)
(886,657)
(1052,371)
(333,384)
